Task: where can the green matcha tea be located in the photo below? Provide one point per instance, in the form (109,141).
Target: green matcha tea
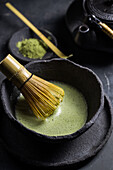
(69,117)
(32,48)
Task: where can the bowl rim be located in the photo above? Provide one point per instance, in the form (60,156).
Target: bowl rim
(26,59)
(64,137)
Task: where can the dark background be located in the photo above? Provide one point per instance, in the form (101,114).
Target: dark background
(50,14)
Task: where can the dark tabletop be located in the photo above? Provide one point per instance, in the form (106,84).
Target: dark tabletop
(50,14)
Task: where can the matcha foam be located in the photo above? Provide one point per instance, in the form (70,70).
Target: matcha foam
(70,116)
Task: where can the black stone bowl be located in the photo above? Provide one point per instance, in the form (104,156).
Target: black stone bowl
(62,70)
(26,33)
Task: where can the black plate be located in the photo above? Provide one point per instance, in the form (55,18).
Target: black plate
(71,153)
(28,33)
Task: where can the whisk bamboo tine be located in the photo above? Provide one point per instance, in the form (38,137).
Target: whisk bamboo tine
(42,93)
(31,26)
(55,90)
(42,96)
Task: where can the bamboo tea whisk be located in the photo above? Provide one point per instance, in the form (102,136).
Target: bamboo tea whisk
(42,96)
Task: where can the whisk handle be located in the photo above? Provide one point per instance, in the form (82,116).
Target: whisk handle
(14,71)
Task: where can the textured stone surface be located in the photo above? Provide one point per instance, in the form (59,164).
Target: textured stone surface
(50,15)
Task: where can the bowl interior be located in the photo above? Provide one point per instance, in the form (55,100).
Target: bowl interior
(27,33)
(65,71)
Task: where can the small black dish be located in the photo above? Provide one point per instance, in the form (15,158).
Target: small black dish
(26,33)
(62,70)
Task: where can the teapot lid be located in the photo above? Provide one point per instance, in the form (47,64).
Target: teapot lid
(102,9)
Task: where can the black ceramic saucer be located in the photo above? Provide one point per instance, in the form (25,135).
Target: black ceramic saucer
(72,153)
(26,33)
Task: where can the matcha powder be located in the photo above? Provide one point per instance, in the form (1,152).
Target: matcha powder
(32,48)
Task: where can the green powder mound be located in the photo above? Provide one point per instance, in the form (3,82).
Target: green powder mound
(32,48)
